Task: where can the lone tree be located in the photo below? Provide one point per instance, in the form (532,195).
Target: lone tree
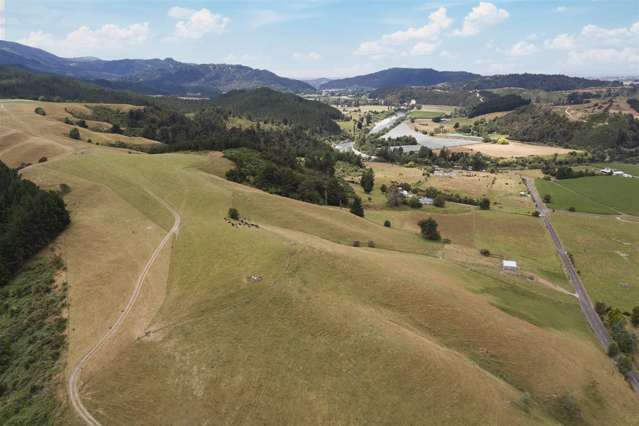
(40,111)
(74,133)
(439,201)
(357,208)
(234,213)
(547,198)
(368,180)
(387,223)
(429,229)
(394,198)
(484,204)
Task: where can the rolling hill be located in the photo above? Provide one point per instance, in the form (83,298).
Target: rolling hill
(150,76)
(398,77)
(549,82)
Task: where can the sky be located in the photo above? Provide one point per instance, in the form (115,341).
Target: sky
(337,38)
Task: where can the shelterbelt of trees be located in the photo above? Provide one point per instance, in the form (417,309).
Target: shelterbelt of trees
(30,218)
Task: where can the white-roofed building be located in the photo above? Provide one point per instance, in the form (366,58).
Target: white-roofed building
(509,265)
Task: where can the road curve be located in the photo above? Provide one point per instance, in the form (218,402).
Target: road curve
(584,300)
(74,378)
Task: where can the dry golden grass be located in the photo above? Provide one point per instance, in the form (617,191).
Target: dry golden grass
(332,334)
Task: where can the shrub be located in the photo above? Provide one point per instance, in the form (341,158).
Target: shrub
(547,199)
(387,223)
(368,180)
(371,244)
(571,209)
(634,317)
(74,133)
(484,204)
(40,111)
(383,188)
(64,189)
(568,409)
(439,201)
(356,243)
(601,308)
(613,349)
(484,252)
(414,203)
(356,207)
(429,229)
(234,213)
(42,160)
(536,214)
(625,365)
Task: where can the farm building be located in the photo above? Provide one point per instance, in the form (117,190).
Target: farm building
(509,265)
(426,201)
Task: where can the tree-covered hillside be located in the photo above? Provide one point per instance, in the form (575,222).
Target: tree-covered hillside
(399,77)
(266,104)
(550,82)
(609,136)
(428,96)
(30,218)
(498,104)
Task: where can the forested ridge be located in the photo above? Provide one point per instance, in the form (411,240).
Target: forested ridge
(610,136)
(498,104)
(30,218)
(267,104)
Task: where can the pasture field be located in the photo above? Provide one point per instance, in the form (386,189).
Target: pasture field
(406,332)
(598,194)
(422,114)
(272,349)
(501,233)
(606,252)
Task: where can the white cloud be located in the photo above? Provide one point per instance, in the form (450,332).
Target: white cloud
(609,36)
(423,48)
(180,12)
(523,48)
(561,42)
(482,16)
(88,41)
(195,24)
(307,56)
(560,9)
(425,37)
(627,55)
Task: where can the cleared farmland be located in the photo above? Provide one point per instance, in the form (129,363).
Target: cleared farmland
(598,194)
(402,333)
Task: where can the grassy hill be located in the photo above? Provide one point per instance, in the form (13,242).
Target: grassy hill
(267,104)
(288,322)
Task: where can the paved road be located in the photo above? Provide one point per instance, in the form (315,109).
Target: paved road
(74,378)
(584,300)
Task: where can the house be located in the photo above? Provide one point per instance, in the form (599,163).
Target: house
(509,265)
(606,171)
(426,201)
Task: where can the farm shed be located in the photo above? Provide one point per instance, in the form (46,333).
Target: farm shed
(509,265)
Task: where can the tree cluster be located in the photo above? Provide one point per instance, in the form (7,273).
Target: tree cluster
(30,218)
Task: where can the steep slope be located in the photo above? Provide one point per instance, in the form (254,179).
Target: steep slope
(398,77)
(150,76)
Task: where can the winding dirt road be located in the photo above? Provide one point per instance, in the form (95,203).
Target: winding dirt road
(74,378)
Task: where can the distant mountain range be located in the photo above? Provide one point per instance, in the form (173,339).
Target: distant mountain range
(150,76)
(170,77)
(394,78)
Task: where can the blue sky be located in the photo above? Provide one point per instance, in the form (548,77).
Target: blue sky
(333,38)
